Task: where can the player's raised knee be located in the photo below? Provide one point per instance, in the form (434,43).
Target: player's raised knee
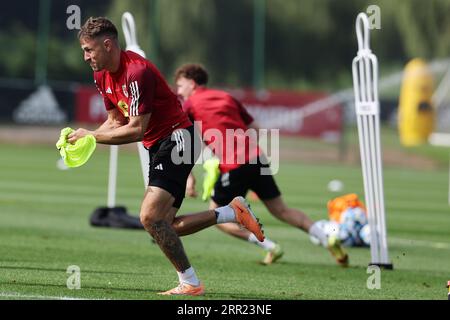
(148,220)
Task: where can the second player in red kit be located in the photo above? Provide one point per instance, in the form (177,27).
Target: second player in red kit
(222,117)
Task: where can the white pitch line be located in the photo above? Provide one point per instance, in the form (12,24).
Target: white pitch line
(30,296)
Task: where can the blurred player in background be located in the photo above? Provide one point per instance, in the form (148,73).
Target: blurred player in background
(141,106)
(217,111)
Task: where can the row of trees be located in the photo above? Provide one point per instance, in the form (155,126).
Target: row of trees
(308,43)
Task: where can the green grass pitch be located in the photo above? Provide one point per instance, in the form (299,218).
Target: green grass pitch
(44,229)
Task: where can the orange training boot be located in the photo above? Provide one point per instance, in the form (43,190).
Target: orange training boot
(185,289)
(246,217)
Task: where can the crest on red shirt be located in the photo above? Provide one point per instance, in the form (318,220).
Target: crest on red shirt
(124,89)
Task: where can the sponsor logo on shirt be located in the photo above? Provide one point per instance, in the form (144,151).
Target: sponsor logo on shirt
(123,107)
(108,90)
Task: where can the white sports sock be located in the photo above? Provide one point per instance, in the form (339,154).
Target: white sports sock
(225,214)
(317,232)
(188,276)
(267,244)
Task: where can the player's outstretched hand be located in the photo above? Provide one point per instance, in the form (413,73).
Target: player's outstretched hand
(77,134)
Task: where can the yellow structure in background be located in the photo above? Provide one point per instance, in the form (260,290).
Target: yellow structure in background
(416,114)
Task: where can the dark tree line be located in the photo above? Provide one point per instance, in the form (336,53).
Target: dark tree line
(308,43)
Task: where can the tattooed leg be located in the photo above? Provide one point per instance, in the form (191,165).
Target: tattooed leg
(169,242)
(156,215)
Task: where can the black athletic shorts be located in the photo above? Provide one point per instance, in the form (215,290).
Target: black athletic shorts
(237,182)
(171,161)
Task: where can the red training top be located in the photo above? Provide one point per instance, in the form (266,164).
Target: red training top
(218,112)
(138,88)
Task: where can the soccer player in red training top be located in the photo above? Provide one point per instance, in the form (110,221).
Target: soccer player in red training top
(218,112)
(141,106)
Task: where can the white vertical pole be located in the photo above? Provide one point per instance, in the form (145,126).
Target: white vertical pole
(365,82)
(112,182)
(143,155)
(129,31)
